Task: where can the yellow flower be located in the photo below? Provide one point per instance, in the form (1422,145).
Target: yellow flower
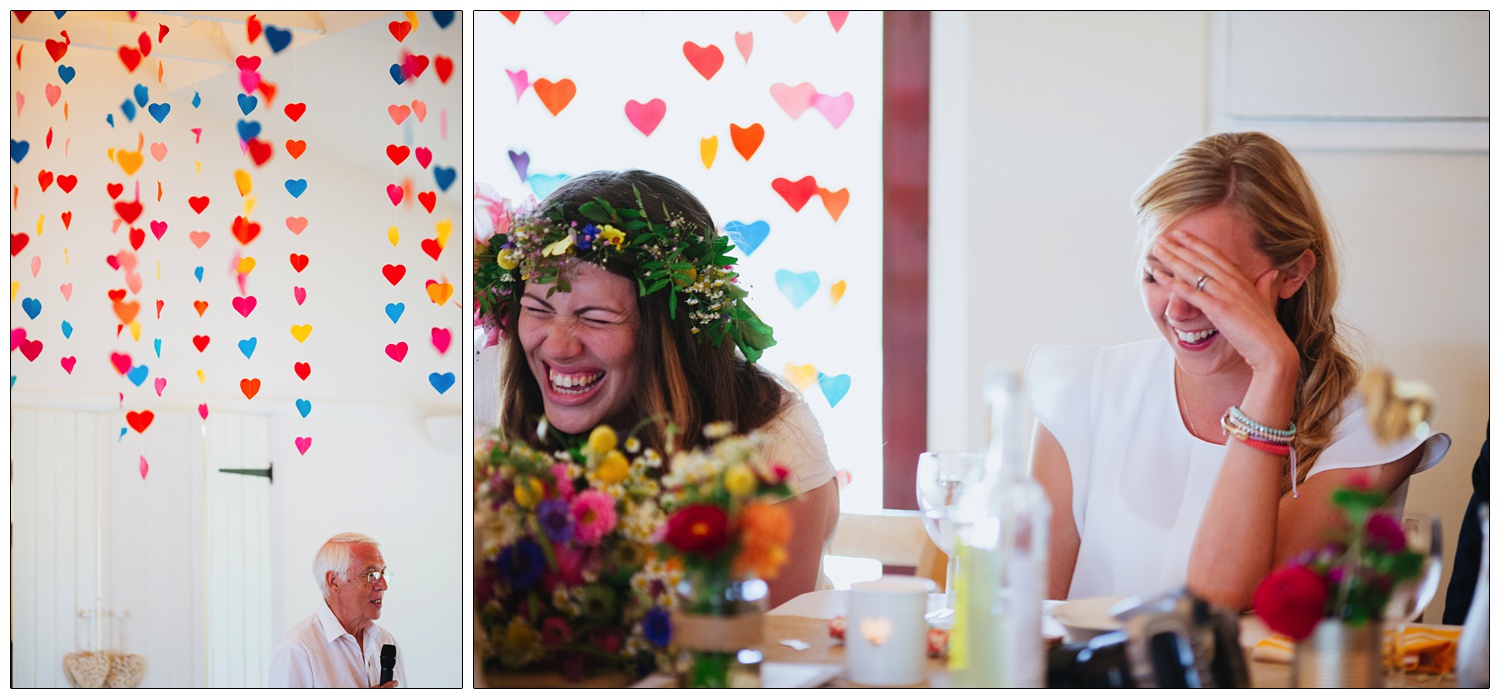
(602,439)
(528,491)
(507,259)
(612,235)
(739,481)
(614,468)
(561,247)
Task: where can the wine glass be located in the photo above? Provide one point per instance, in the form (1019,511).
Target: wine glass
(941,477)
(1410,599)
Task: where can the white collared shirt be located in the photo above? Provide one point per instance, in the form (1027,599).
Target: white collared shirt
(318,652)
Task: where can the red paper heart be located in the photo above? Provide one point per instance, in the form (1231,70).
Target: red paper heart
(247,62)
(129,210)
(68,363)
(131,57)
(121,362)
(294,110)
(260,151)
(159,304)
(115,190)
(252,32)
(707,60)
(399,30)
(32,349)
(393,273)
(296,148)
(67,182)
(44,178)
(18,243)
(299,262)
(201,306)
(161,32)
(424,157)
(249,387)
(201,342)
(144,41)
(198,203)
(428,200)
(444,67)
(137,238)
(511,15)
(116,295)
(244,229)
(139,421)
(67,219)
(796,193)
(56,49)
(396,153)
(303,369)
(413,65)
(396,351)
(21,15)
(431,247)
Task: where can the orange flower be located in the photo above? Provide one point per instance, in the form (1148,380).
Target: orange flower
(764,531)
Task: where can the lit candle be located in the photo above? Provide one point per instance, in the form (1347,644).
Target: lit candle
(886,640)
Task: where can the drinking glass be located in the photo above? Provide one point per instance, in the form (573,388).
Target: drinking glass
(1409,600)
(941,477)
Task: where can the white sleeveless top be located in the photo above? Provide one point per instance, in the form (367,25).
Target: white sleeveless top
(1140,479)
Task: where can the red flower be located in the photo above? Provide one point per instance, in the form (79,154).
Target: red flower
(1290,601)
(1384,533)
(698,529)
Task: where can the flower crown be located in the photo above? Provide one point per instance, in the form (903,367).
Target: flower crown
(694,268)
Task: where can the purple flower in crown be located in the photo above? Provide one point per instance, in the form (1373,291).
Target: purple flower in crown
(586,237)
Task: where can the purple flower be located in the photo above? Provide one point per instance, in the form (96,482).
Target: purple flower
(553,516)
(585,238)
(1384,533)
(658,627)
(520,565)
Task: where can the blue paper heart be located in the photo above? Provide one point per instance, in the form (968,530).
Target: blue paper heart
(278,38)
(137,374)
(142,96)
(197,100)
(304,406)
(443,18)
(128,108)
(396,73)
(444,176)
(198,272)
(247,103)
(67,329)
(66,73)
(111,119)
(159,111)
(121,438)
(442,382)
(32,307)
(798,287)
(248,129)
(13,381)
(542,185)
(521,162)
(394,311)
(296,187)
(247,346)
(834,387)
(59,13)
(747,236)
(19,149)
(157,344)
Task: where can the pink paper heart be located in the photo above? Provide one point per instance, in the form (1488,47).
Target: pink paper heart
(835,109)
(159,151)
(518,80)
(67,291)
(744,42)
(199,238)
(249,80)
(21,102)
(243,304)
(127,260)
(144,468)
(645,117)
(120,361)
(300,294)
(396,351)
(556,16)
(133,281)
(197,134)
(442,338)
(837,19)
(419,108)
(36,265)
(296,224)
(161,385)
(394,192)
(303,443)
(424,157)
(68,363)
(17,336)
(203,410)
(53,93)
(158,229)
(794,100)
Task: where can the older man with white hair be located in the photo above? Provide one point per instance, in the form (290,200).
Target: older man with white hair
(340,645)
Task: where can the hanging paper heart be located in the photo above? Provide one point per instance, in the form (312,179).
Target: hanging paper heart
(145,467)
(137,374)
(244,230)
(301,332)
(645,117)
(835,202)
(160,384)
(57,49)
(159,111)
(442,338)
(67,182)
(129,161)
(296,187)
(836,291)
(397,74)
(519,81)
(399,30)
(244,305)
(18,150)
(798,287)
(249,80)
(278,38)
(542,185)
(247,346)
(441,382)
(299,294)
(521,162)
(745,43)
(200,306)
(130,56)
(428,200)
(419,108)
(116,295)
(137,238)
(393,273)
(837,19)
(796,193)
(249,387)
(144,41)
(794,100)
(834,109)
(708,149)
(299,262)
(444,67)
(67,219)
(796,16)
(54,93)
(555,96)
(396,351)
(395,193)
(201,342)
(242,182)
(198,204)
(158,229)
(439,292)
(511,15)
(161,32)
(121,362)
(252,32)
(198,272)
(141,94)
(17,336)
(707,60)
(114,190)
(398,112)
(197,101)
(126,310)
(68,363)
(67,329)
(302,369)
(18,243)
(747,140)
(394,235)
(36,265)
(834,388)
(304,406)
(397,154)
(424,158)
(557,16)
(303,444)
(394,311)
(445,177)
(431,247)
(296,224)
(44,178)
(800,376)
(32,307)
(67,291)
(247,129)
(32,349)
(247,103)
(295,110)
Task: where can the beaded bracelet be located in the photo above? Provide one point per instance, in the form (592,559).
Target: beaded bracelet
(1260,437)
(1237,417)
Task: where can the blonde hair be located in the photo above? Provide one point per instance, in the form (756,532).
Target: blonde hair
(1259,179)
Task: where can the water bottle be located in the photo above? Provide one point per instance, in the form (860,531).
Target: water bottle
(1474,642)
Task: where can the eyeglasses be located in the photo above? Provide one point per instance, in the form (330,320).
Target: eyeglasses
(376,576)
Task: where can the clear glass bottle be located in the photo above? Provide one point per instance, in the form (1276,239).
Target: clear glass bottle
(1474,643)
(1002,538)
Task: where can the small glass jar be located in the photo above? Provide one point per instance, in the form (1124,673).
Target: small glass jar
(717,630)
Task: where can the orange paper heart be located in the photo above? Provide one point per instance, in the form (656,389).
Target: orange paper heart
(555,96)
(249,387)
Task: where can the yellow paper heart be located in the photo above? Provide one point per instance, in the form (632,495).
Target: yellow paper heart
(801,376)
(246,264)
(129,161)
(65,256)
(249,205)
(158,269)
(135,330)
(39,220)
(111,154)
(14,287)
(708,148)
(836,291)
(439,292)
(394,235)
(411,16)
(301,332)
(201,377)
(242,180)
(199,164)
(444,229)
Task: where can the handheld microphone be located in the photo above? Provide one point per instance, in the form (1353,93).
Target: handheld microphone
(387,663)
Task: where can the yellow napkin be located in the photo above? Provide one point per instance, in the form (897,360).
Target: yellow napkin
(1422,648)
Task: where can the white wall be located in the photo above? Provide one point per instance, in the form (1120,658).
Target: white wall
(1063,115)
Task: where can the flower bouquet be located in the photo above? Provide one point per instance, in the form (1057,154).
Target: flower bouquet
(567,577)
(729,537)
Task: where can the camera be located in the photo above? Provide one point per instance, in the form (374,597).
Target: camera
(1170,641)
